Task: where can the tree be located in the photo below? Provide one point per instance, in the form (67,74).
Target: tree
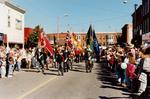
(119,40)
(33,38)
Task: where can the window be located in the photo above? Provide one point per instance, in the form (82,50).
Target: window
(18,24)
(148,25)
(9,24)
(78,37)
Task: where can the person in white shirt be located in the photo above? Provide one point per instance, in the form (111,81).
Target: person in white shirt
(3,67)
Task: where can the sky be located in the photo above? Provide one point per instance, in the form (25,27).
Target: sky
(77,15)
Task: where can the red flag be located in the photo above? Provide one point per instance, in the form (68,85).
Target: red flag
(48,46)
(68,40)
(43,42)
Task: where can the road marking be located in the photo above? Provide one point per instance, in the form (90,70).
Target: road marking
(36,88)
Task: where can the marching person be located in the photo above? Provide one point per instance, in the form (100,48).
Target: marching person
(88,54)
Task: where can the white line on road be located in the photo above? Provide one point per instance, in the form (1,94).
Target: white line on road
(36,88)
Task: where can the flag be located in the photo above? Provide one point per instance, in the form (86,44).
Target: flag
(74,37)
(89,35)
(89,38)
(95,43)
(43,42)
(54,40)
(68,40)
(48,46)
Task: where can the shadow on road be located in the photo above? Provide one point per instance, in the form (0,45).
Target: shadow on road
(31,70)
(108,80)
(78,68)
(46,73)
(104,97)
(105,75)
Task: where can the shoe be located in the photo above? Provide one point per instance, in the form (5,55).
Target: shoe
(10,76)
(124,85)
(137,94)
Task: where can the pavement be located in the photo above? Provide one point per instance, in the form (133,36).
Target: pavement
(76,84)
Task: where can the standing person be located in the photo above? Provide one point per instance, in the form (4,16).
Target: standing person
(17,58)
(60,60)
(131,67)
(88,52)
(45,59)
(11,66)
(7,64)
(66,56)
(39,58)
(77,54)
(29,57)
(15,55)
(144,71)
(3,67)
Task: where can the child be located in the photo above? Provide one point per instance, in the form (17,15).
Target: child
(11,65)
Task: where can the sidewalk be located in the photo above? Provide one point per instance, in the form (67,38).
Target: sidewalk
(22,82)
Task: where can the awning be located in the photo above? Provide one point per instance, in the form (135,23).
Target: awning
(146,37)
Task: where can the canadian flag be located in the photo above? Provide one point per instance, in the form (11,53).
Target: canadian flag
(43,42)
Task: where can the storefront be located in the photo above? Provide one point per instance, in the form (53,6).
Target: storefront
(146,38)
(3,38)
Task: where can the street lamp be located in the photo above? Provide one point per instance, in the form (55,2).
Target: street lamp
(58,23)
(125,1)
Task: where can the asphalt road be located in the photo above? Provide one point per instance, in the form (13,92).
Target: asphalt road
(76,84)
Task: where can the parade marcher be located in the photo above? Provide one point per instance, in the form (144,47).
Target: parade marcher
(28,58)
(39,58)
(87,56)
(46,60)
(59,60)
(77,54)
(66,58)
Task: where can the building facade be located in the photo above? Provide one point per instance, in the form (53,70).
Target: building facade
(60,38)
(27,31)
(137,21)
(127,33)
(12,22)
(146,20)
(104,38)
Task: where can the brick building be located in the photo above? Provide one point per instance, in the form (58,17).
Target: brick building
(137,25)
(27,32)
(60,38)
(127,34)
(104,38)
(146,20)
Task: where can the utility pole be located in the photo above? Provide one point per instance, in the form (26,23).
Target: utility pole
(58,19)
(135,25)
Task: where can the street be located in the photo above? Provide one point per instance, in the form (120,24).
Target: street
(76,84)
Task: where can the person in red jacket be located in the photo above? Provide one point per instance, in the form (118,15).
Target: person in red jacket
(77,54)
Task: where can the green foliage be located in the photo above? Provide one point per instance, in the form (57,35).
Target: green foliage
(33,38)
